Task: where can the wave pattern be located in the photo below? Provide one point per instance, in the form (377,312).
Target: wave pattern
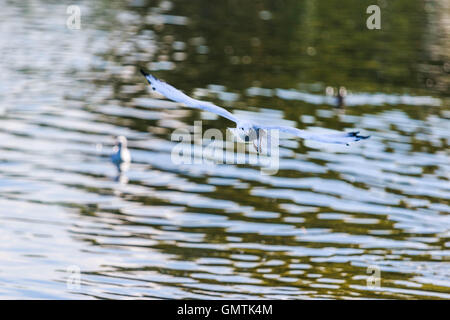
(195,231)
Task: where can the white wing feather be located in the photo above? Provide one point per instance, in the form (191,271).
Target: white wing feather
(338,138)
(176,95)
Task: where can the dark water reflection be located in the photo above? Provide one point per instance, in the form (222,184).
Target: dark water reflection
(193,231)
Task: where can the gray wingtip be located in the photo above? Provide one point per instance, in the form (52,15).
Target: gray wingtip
(357,136)
(144,73)
(149,77)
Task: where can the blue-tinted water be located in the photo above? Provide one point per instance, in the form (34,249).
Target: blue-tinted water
(226,231)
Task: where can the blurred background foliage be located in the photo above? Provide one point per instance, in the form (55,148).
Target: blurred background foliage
(285,42)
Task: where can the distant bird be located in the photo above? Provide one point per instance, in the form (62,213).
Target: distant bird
(246,130)
(121,157)
(340,97)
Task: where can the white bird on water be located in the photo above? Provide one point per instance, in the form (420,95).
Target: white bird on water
(248,131)
(121,157)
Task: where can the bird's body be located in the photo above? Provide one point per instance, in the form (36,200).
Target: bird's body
(121,157)
(340,97)
(247,131)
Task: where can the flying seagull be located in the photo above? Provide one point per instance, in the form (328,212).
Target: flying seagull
(247,131)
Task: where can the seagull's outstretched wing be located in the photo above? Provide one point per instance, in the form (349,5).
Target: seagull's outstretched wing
(176,95)
(339,138)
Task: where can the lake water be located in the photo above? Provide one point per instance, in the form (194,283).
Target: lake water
(319,228)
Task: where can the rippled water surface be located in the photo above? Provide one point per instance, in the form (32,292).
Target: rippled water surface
(314,230)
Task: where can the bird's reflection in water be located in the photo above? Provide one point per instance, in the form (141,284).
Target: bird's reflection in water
(121,159)
(121,178)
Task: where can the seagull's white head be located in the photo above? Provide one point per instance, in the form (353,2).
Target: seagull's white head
(245,131)
(121,142)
